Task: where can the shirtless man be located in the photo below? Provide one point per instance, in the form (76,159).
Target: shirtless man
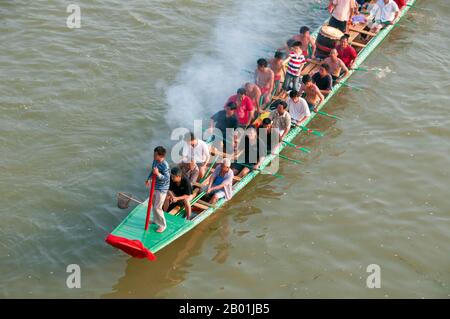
(307,41)
(313,95)
(264,78)
(254,93)
(336,66)
(279,70)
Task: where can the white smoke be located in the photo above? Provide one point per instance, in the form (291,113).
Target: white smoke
(238,39)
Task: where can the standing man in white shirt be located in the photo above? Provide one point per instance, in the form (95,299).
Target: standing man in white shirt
(342,12)
(198,151)
(298,108)
(383,13)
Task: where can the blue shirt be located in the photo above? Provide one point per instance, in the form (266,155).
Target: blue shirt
(163,179)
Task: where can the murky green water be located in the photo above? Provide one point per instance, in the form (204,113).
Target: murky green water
(81,110)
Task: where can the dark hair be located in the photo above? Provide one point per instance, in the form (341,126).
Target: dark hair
(306,78)
(161,151)
(290,42)
(325,67)
(304,29)
(190,136)
(232,105)
(345,36)
(262,62)
(279,55)
(296,44)
(266,121)
(280,102)
(176,171)
(294,93)
(241,91)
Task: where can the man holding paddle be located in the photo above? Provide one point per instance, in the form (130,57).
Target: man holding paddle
(161,172)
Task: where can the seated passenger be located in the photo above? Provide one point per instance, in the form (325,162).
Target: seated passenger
(298,108)
(346,52)
(383,13)
(190,170)
(336,66)
(180,192)
(267,134)
(245,111)
(221,182)
(254,93)
(313,95)
(225,120)
(281,119)
(197,150)
(252,153)
(323,79)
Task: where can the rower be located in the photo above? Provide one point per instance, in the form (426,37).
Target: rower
(313,95)
(341,11)
(298,108)
(220,183)
(264,78)
(323,79)
(245,111)
(180,192)
(197,150)
(336,66)
(383,13)
(254,93)
(281,119)
(346,52)
(251,157)
(279,70)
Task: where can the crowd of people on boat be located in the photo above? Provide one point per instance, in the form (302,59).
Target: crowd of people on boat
(298,96)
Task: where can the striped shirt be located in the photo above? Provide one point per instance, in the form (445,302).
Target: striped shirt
(295,64)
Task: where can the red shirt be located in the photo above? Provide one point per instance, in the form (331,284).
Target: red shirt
(400,3)
(347,55)
(242,111)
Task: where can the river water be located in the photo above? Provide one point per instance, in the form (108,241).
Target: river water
(81,110)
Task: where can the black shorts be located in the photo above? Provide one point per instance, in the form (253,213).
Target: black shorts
(240,167)
(335,23)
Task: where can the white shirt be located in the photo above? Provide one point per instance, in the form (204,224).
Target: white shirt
(199,153)
(343,9)
(298,110)
(384,12)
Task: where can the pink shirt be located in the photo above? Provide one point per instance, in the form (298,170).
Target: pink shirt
(342,9)
(242,111)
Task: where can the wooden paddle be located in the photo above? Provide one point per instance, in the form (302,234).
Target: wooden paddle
(150,201)
(289,159)
(297,147)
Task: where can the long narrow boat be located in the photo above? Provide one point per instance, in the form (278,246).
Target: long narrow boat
(131,231)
